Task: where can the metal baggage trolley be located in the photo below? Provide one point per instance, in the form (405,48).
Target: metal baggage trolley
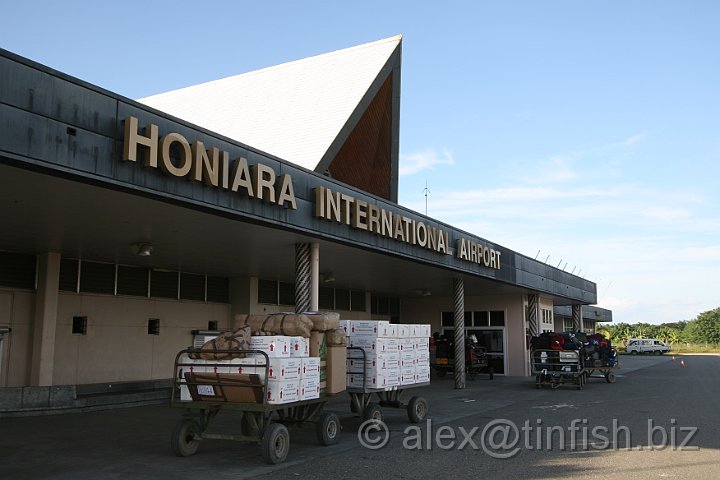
(558,367)
(361,398)
(261,422)
(603,370)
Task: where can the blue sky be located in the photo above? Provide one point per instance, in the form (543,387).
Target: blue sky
(585,130)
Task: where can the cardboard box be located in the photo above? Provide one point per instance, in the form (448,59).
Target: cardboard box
(374,345)
(281,369)
(299,347)
(421,331)
(336,369)
(283,391)
(310,368)
(407,375)
(381,362)
(422,376)
(403,331)
(318,345)
(345,326)
(365,327)
(406,344)
(275,346)
(406,362)
(244,365)
(234,388)
(423,356)
(309,388)
(377,379)
(422,343)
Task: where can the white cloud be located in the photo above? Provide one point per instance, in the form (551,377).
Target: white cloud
(413,163)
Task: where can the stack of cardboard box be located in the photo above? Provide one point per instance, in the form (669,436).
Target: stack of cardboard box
(395,355)
(292,374)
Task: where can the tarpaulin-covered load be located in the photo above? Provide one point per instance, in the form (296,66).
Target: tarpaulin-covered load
(292,324)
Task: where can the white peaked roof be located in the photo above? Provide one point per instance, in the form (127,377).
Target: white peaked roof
(293,111)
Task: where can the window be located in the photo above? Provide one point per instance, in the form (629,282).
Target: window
(163,284)
(326,298)
(342,299)
(273,292)
(79,326)
(97,277)
(132,281)
(286,293)
(153,326)
(218,289)
(69,269)
(192,287)
(267,291)
(497,318)
(357,301)
(480,319)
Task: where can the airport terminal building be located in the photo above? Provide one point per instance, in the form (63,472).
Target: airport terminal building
(129,226)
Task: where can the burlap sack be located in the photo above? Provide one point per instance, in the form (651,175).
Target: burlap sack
(237,340)
(335,337)
(323,321)
(293,324)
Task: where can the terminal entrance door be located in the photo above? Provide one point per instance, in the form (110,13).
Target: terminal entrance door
(488,327)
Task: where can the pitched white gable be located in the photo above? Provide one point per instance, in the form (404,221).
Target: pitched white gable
(293,111)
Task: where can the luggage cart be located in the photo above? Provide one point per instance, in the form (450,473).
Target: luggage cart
(361,397)
(261,423)
(558,367)
(603,371)
(476,360)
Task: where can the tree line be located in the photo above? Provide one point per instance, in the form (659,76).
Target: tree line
(705,328)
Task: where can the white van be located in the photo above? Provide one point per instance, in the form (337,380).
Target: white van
(646,345)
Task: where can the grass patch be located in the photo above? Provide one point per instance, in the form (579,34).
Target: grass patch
(695,348)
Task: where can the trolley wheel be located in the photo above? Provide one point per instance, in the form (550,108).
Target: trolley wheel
(372,412)
(417,409)
(328,428)
(275,443)
(440,372)
(183,441)
(491,371)
(610,377)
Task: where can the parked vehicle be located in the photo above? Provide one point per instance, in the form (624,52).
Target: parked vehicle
(646,345)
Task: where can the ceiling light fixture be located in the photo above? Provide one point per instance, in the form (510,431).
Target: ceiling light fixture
(142,249)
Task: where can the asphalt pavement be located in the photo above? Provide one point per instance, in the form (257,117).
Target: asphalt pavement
(659,419)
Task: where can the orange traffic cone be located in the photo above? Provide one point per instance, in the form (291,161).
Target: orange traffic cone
(673,358)
(682,363)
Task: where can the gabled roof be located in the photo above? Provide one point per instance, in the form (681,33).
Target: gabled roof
(301,111)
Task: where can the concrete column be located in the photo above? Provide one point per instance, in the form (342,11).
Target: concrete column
(314,277)
(533,308)
(577,318)
(302,277)
(459,301)
(46,307)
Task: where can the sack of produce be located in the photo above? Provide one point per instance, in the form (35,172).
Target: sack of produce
(335,337)
(237,340)
(292,324)
(323,322)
